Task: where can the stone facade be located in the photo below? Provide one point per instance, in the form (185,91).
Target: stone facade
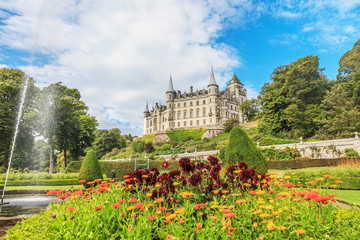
(197,109)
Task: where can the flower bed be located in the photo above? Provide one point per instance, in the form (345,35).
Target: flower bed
(194,203)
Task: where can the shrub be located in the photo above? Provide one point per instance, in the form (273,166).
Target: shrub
(138,146)
(350,152)
(241,149)
(166,147)
(230,123)
(149,148)
(73,167)
(90,167)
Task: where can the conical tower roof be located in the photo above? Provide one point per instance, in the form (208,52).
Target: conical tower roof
(212,78)
(146,108)
(171,87)
(235,80)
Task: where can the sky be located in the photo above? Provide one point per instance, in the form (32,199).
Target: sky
(121,53)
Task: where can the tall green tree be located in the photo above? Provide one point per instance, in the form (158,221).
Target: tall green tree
(291,102)
(107,140)
(11,85)
(250,108)
(63,120)
(341,106)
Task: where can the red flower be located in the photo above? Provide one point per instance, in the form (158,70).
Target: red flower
(165,164)
(289,185)
(116,205)
(103,189)
(133,200)
(153,217)
(182,221)
(121,201)
(230,215)
(98,180)
(71,209)
(199,206)
(167,221)
(199,225)
(63,197)
(82,181)
(231,233)
(139,205)
(98,207)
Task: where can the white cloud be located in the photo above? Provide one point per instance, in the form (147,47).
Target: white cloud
(119,54)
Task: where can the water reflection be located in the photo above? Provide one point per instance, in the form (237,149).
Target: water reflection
(25,204)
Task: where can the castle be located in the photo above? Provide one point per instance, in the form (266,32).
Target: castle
(201,109)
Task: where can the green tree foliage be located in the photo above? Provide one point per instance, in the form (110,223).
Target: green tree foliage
(341,106)
(138,146)
(107,140)
(250,108)
(90,167)
(63,120)
(230,123)
(241,149)
(11,86)
(292,100)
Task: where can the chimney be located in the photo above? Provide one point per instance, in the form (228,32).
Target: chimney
(191,89)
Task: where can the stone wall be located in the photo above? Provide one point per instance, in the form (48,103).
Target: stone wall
(193,156)
(323,149)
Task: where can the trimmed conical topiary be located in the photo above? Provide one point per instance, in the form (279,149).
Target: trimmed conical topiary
(241,149)
(90,168)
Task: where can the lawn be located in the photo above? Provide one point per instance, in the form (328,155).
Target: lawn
(349,196)
(42,187)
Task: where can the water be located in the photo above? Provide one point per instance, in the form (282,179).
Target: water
(25,204)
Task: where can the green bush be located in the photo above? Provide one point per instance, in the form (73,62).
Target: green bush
(41,182)
(73,167)
(350,152)
(230,124)
(90,167)
(280,154)
(138,146)
(241,149)
(166,147)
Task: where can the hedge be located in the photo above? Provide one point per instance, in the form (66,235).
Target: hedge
(73,167)
(42,182)
(350,183)
(306,163)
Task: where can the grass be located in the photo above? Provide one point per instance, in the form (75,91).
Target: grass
(42,187)
(348,196)
(253,124)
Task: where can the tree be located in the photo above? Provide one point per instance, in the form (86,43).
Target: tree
(230,123)
(348,63)
(11,85)
(250,108)
(62,119)
(107,140)
(241,149)
(292,101)
(138,146)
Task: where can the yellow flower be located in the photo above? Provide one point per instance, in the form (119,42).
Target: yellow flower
(131,208)
(148,195)
(175,183)
(159,200)
(333,186)
(269,207)
(216,191)
(272,176)
(241,201)
(281,228)
(271,201)
(231,207)
(180,211)
(237,171)
(287,177)
(157,185)
(260,192)
(145,176)
(186,194)
(247,184)
(292,173)
(225,223)
(224,192)
(319,179)
(171,216)
(275,213)
(260,238)
(270,226)
(300,231)
(264,215)
(296,199)
(255,225)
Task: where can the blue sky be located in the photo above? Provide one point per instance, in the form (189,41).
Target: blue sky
(119,54)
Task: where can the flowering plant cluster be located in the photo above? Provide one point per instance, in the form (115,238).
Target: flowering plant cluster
(195,203)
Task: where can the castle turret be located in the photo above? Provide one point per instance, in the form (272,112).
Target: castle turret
(236,87)
(213,90)
(170,93)
(146,114)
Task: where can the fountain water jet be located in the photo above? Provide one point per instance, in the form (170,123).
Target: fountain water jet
(21,106)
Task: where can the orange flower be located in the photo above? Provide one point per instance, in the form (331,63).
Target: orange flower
(133,200)
(289,185)
(82,181)
(300,231)
(312,183)
(98,180)
(167,221)
(327,176)
(226,211)
(253,192)
(153,217)
(199,225)
(168,237)
(116,205)
(98,207)
(216,191)
(139,205)
(71,209)
(182,221)
(199,206)
(231,233)
(339,182)
(161,208)
(63,197)
(121,201)
(230,215)
(241,201)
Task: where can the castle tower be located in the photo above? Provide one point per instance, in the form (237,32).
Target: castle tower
(213,90)
(170,97)
(235,87)
(146,114)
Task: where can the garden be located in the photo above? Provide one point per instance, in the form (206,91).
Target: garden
(200,201)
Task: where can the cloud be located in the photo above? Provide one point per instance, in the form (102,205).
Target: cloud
(119,54)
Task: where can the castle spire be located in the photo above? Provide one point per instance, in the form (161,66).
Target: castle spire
(212,78)
(171,87)
(146,108)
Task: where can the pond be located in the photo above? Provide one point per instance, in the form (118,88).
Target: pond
(25,204)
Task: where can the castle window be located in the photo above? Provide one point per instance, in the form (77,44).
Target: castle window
(178,124)
(197,122)
(178,105)
(184,123)
(204,101)
(209,90)
(197,102)
(184,114)
(150,123)
(184,104)
(197,113)
(178,115)
(170,105)
(163,127)
(190,123)
(155,120)
(204,112)
(190,104)
(191,113)
(204,121)
(231,107)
